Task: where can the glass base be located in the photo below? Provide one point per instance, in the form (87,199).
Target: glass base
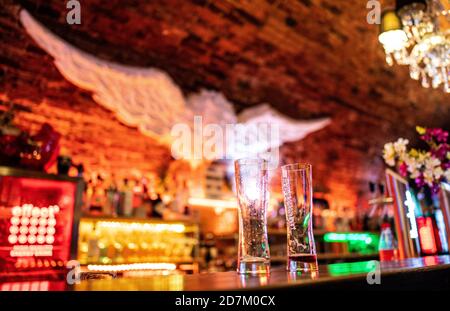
(300,263)
(254,267)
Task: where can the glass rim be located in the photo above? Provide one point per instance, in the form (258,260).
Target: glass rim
(301,166)
(250,161)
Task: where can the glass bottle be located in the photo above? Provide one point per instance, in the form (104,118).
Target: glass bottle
(387,246)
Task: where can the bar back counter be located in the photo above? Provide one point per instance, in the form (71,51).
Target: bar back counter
(427,273)
(430,273)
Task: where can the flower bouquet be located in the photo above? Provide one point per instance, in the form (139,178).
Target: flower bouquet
(423,168)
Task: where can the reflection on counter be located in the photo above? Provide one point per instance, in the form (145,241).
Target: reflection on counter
(355,271)
(247,280)
(293,277)
(345,268)
(173,282)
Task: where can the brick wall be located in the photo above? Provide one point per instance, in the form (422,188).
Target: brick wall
(91,134)
(307,58)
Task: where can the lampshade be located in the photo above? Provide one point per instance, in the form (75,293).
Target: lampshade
(390,21)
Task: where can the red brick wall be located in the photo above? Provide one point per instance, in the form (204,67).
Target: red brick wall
(91,134)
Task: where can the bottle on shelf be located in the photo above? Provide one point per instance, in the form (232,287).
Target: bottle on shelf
(126,198)
(387,246)
(146,200)
(93,250)
(139,207)
(87,196)
(98,198)
(112,199)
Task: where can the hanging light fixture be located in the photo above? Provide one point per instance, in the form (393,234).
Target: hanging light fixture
(412,35)
(393,38)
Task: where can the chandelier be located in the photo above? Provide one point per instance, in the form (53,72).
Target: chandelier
(415,34)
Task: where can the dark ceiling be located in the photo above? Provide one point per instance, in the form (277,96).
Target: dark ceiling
(306,58)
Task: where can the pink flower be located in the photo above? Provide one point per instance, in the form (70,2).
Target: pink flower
(437,134)
(435,188)
(440,135)
(403,169)
(440,151)
(420,182)
(446,166)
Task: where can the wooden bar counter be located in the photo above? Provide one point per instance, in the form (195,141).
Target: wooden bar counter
(416,273)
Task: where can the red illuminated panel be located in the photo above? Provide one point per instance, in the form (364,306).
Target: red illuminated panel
(32,230)
(426,234)
(33,286)
(36,217)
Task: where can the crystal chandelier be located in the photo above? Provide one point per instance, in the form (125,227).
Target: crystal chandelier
(414,34)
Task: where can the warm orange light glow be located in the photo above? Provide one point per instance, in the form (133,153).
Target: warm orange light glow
(134,266)
(144,273)
(204,202)
(145,227)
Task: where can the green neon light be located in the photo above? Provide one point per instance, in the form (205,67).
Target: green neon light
(363,242)
(367,238)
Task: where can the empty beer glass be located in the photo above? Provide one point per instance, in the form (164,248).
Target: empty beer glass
(297,191)
(253,196)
